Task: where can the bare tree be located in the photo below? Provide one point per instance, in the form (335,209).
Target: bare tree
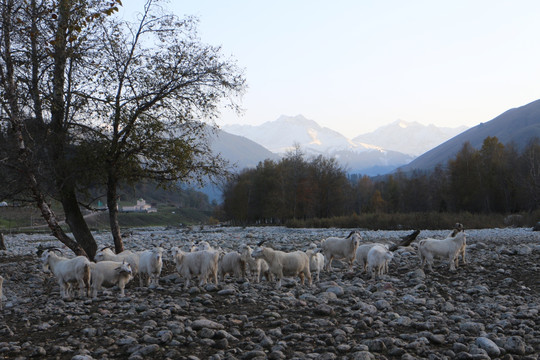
(11,107)
(153,84)
(38,51)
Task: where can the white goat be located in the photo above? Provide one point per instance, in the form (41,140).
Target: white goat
(361,255)
(111,273)
(285,264)
(131,257)
(67,271)
(150,264)
(1,295)
(106,253)
(448,248)
(377,260)
(202,263)
(457,229)
(255,266)
(231,263)
(316,262)
(340,248)
(202,245)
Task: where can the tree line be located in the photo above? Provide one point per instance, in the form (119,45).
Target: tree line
(496,178)
(92,101)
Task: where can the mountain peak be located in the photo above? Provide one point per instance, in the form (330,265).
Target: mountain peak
(408,137)
(299,120)
(402,124)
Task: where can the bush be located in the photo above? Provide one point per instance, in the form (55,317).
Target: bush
(427,221)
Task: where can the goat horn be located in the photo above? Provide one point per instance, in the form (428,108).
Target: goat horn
(42,249)
(261,242)
(352,232)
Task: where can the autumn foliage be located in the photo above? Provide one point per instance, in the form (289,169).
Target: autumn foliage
(496,179)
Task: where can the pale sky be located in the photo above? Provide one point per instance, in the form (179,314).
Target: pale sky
(356,65)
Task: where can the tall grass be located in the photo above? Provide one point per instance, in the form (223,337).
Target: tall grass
(419,220)
(29,219)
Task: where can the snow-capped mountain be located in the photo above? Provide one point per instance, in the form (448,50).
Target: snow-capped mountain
(409,137)
(283,134)
(286,132)
(379,152)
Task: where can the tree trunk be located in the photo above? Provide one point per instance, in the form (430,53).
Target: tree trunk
(112,204)
(57,231)
(405,240)
(2,242)
(76,221)
(64,178)
(14,118)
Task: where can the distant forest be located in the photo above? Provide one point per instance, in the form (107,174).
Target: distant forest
(494,179)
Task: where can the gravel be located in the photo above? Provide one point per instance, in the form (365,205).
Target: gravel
(486,309)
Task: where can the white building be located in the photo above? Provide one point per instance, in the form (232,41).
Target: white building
(141,206)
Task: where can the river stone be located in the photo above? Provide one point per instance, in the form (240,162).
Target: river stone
(204,323)
(471,328)
(515,345)
(225,292)
(382,304)
(402,317)
(524,250)
(489,346)
(128,340)
(323,309)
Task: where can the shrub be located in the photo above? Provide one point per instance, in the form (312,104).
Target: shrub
(419,220)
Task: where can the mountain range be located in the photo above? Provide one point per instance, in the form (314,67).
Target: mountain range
(281,135)
(390,147)
(382,152)
(517,126)
(411,138)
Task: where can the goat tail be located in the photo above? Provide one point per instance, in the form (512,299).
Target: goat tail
(86,278)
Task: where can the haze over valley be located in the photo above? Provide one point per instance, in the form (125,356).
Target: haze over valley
(372,153)
(401,144)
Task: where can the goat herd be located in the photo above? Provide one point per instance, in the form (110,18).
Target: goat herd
(209,264)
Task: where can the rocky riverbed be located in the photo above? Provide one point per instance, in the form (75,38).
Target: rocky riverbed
(487,309)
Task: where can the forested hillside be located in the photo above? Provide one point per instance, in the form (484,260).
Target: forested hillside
(515,126)
(181,196)
(494,179)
